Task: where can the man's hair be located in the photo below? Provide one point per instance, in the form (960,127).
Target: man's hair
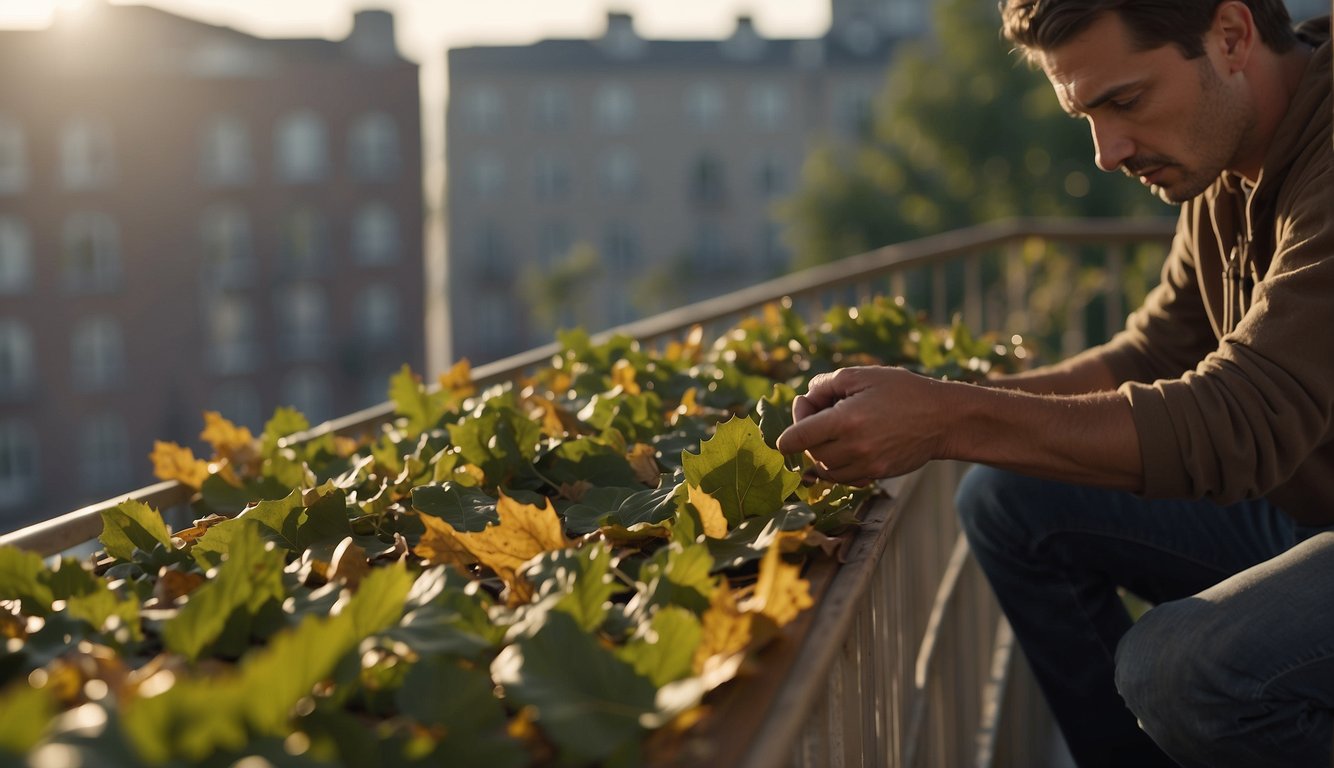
(1043,25)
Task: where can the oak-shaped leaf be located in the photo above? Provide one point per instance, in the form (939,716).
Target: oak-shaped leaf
(132,525)
(524,532)
(174,462)
(745,475)
(780,593)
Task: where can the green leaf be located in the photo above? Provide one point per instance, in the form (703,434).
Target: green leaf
(23,576)
(423,410)
(132,525)
(680,575)
(101,605)
(446,614)
(624,507)
(467,510)
(224,498)
(473,720)
(666,651)
(638,417)
(503,442)
(736,467)
(587,701)
(285,421)
(775,412)
(250,576)
(25,715)
(378,603)
(289,524)
(749,541)
(583,578)
(589,459)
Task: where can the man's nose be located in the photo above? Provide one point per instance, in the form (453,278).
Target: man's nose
(1111,146)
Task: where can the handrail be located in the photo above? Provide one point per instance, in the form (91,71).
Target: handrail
(61,533)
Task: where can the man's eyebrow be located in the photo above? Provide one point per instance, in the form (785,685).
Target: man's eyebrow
(1100,99)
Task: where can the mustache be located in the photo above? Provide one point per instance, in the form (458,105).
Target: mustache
(1136,166)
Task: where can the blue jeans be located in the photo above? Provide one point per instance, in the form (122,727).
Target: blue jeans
(1234,667)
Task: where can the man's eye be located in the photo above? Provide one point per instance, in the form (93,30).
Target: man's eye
(1124,105)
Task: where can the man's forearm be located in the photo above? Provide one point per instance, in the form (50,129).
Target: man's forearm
(1084,373)
(1088,439)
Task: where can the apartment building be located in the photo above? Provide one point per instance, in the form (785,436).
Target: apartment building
(194,218)
(592,182)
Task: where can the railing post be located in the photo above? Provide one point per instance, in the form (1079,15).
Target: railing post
(1016,290)
(1113,290)
(972,291)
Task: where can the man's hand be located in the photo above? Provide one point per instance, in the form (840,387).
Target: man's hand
(860,424)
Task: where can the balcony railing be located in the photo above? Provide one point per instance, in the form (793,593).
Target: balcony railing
(906,659)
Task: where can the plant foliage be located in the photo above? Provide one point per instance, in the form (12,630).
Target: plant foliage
(544,572)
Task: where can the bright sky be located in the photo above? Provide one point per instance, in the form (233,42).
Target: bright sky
(426,27)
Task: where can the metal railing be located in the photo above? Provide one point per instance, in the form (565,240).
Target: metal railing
(906,660)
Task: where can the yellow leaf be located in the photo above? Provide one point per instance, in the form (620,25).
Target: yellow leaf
(556,421)
(440,545)
(623,376)
(228,440)
(458,380)
(643,463)
(349,563)
(524,532)
(687,350)
(710,512)
(773,316)
(726,631)
(172,462)
(780,592)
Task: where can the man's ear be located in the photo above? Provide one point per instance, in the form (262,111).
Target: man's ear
(1233,35)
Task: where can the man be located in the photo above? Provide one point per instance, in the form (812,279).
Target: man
(1191,459)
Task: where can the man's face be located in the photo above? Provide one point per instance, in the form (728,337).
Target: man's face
(1175,123)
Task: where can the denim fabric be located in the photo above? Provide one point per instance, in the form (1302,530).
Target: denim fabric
(1055,554)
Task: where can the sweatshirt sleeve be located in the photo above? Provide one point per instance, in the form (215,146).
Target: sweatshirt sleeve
(1251,412)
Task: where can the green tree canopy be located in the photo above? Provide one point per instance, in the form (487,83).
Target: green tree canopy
(964,132)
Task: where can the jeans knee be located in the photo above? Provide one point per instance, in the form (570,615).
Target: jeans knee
(991,504)
(1167,674)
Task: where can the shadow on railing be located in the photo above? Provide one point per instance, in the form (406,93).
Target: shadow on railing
(906,660)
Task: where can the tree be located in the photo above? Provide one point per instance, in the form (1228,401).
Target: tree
(964,132)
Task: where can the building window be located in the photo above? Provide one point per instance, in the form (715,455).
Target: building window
(704,106)
(15,256)
(486,172)
(97,354)
(231,334)
(228,247)
(620,247)
(303,312)
(17,367)
(377,313)
(551,108)
(854,109)
(553,242)
(375,235)
(91,261)
(773,253)
(483,109)
(302,148)
(768,107)
(710,252)
(225,156)
(13,157)
(490,257)
(551,178)
(305,242)
(87,159)
(614,108)
(771,176)
(372,147)
(238,402)
(707,181)
(618,172)
(18,463)
(104,454)
(308,392)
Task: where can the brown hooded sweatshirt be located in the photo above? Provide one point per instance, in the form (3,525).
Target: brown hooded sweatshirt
(1229,365)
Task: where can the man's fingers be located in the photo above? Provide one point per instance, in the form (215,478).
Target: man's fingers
(807,433)
(803,407)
